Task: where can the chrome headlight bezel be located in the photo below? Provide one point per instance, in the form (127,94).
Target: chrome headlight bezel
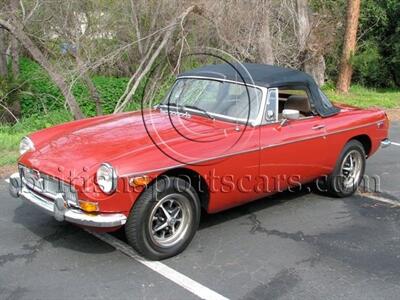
(106,178)
(26,145)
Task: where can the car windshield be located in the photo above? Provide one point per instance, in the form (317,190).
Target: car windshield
(215,98)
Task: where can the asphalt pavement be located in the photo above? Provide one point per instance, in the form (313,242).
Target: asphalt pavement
(298,245)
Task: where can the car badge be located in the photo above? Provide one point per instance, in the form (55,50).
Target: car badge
(36,174)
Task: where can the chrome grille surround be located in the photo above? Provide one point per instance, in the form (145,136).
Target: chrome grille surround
(48,186)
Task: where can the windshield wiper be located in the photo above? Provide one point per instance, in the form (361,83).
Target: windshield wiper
(199,109)
(173,104)
(170,104)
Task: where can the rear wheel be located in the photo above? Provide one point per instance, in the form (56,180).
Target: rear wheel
(349,170)
(164,219)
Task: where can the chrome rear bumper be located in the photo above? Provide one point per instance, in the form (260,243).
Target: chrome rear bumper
(386,143)
(60,210)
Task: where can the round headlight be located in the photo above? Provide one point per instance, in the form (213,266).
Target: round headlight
(26,145)
(106,178)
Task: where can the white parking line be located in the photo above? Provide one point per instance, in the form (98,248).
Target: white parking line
(394,203)
(395,144)
(182,280)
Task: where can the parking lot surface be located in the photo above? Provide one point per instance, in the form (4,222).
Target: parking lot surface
(298,245)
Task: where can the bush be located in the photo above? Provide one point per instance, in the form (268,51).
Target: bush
(10,90)
(368,67)
(42,95)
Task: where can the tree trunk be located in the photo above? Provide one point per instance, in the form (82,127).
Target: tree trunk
(135,21)
(3,54)
(14,44)
(303,24)
(315,66)
(264,41)
(349,45)
(94,93)
(14,57)
(313,62)
(16,30)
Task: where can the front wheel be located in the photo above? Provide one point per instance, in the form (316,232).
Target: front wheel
(349,170)
(164,219)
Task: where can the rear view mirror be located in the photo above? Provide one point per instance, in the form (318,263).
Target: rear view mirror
(291,114)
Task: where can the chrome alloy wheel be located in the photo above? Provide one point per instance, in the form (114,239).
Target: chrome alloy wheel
(351,169)
(169,220)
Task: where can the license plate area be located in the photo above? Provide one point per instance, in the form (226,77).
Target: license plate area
(47,185)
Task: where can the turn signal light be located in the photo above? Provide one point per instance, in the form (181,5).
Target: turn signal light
(139,181)
(89,206)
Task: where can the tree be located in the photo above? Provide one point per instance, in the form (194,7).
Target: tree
(14,47)
(141,73)
(264,39)
(313,62)
(16,29)
(349,45)
(3,53)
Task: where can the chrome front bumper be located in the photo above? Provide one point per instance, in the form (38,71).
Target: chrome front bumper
(59,208)
(386,143)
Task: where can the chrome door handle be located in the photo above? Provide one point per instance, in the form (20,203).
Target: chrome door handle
(318,127)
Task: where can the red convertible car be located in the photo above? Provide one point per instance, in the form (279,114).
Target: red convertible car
(224,135)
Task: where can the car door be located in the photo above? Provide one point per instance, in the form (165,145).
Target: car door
(292,152)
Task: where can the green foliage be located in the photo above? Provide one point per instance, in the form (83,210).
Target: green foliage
(10,135)
(365,97)
(330,5)
(7,88)
(367,63)
(10,90)
(377,60)
(42,95)
(110,89)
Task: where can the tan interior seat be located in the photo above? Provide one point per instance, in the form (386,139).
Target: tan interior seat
(299,103)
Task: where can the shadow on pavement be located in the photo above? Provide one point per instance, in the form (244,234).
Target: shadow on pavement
(59,235)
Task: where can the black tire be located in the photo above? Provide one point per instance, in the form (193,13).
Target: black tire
(336,182)
(138,231)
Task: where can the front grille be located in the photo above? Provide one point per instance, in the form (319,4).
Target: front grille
(48,186)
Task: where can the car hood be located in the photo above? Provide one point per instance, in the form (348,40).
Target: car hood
(131,142)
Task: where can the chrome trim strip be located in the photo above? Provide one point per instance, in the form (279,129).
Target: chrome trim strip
(319,136)
(276,110)
(246,151)
(38,190)
(193,162)
(220,79)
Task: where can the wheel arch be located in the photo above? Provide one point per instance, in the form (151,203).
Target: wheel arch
(365,140)
(196,180)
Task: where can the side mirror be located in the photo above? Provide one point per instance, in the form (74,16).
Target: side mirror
(289,114)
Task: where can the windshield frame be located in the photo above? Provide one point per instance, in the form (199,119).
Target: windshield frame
(255,122)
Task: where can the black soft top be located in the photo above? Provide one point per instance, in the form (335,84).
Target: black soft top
(266,76)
